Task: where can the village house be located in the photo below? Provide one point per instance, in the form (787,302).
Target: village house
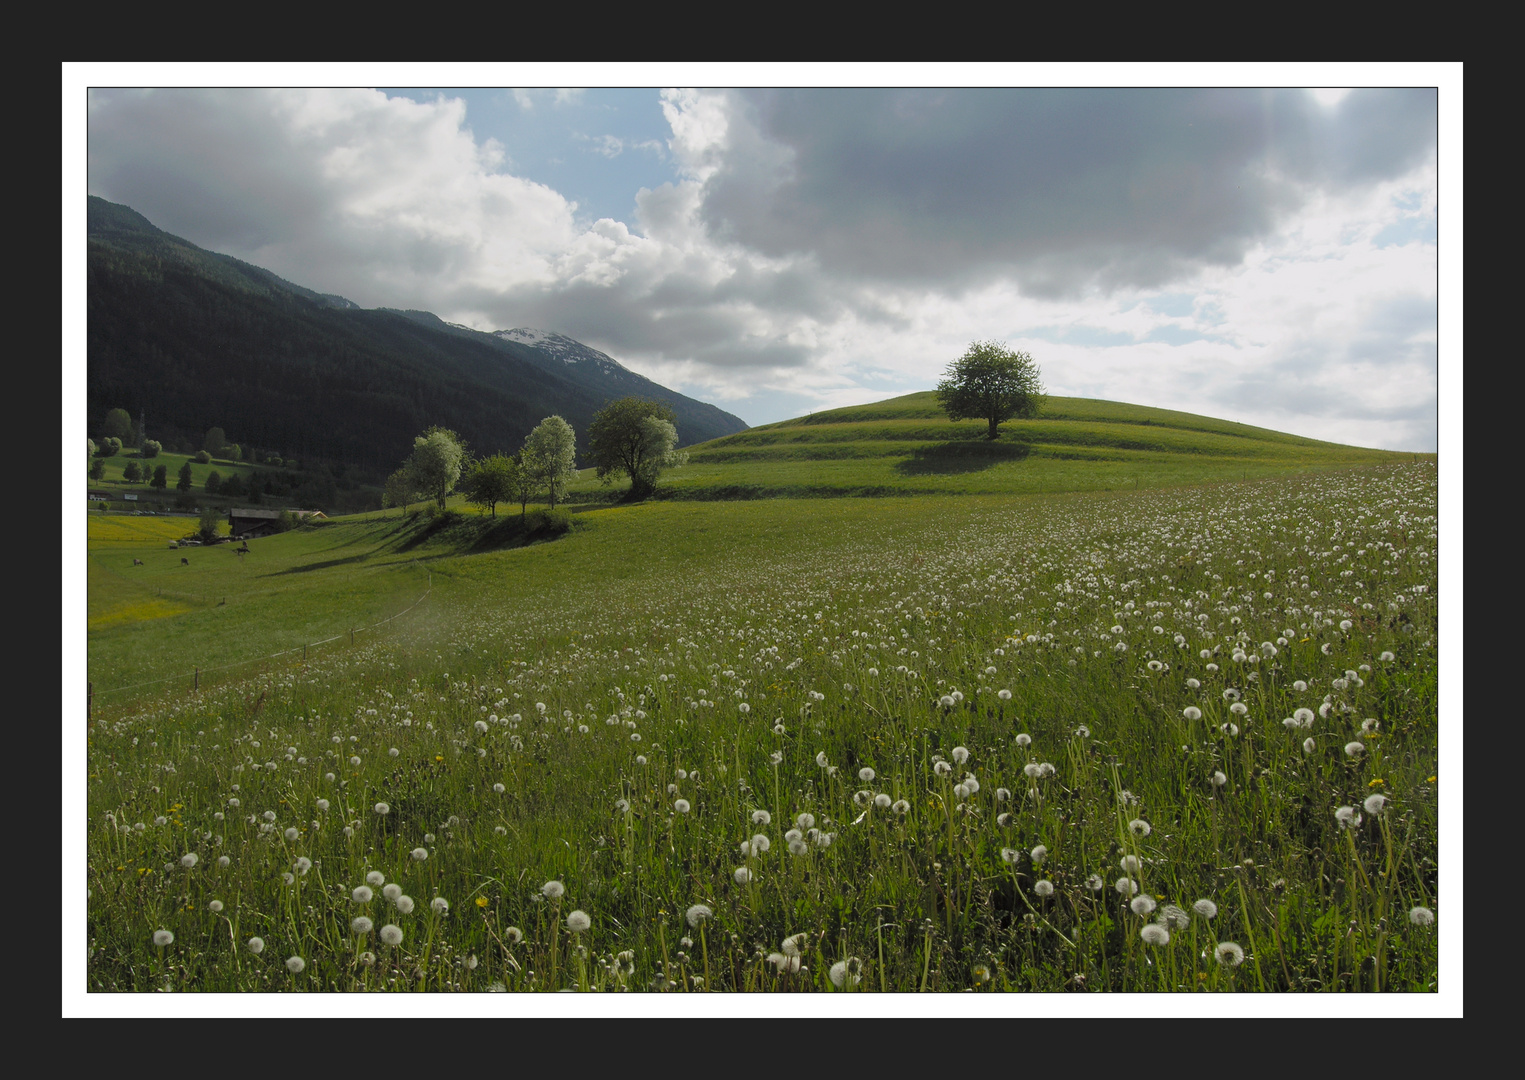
(248,523)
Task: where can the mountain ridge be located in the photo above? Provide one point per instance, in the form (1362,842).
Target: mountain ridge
(198,339)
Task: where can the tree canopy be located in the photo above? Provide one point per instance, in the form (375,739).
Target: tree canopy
(436,462)
(992,383)
(637,438)
(550,456)
(118,425)
(491,481)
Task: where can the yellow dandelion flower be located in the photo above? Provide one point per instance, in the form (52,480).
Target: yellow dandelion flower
(1378,782)
(481,901)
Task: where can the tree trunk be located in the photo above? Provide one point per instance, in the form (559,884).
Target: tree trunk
(995,428)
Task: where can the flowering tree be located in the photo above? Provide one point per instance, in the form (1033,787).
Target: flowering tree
(436,462)
(550,456)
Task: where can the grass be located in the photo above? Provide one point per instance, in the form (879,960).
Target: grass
(906,446)
(623,707)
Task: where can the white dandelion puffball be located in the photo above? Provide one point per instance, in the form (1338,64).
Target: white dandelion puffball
(1354,749)
(382,808)
(361,925)
(759,844)
(392,891)
(1155,934)
(866,775)
(1142,904)
(1174,918)
(440,905)
(1139,827)
(1205,908)
(697,914)
(798,847)
(498,789)
(1374,804)
(681,806)
(1309,745)
(224,861)
(1219,779)
(786,965)
(942,768)
(163,938)
(1095,884)
(405,904)
(1024,740)
(881,801)
(1044,888)
(355,761)
(1039,853)
(744,876)
(578,922)
(820,759)
(1191,712)
(362,894)
(761,817)
(391,934)
(842,976)
(1387,657)
(791,944)
(1126,886)
(1304,717)
(1010,856)
(805,821)
(376,879)
(1229,954)
(295,964)
(215,906)
(900,806)
(1421,916)
(1347,817)
(1004,695)
(291,835)
(1130,864)
(420,854)
(188,860)
(960,755)
(256,945)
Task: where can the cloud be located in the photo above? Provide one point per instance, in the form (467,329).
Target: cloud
(1063,190)
(824,247)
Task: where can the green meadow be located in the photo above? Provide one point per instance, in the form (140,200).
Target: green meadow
(1129,700)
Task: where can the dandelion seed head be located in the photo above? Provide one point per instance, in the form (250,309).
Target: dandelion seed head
(295,964)
(1374,804)
(1126,886)
(1024,740)
(163,938)
(697,914)
(361,925)
(1421,916)
(391,934)
(578,922)
(440,905)
(1154,934)
(1139,827)
(1229,954)
(1142,904)
(1205,908)
(1044,888)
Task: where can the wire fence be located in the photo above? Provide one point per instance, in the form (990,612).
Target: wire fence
(195,675)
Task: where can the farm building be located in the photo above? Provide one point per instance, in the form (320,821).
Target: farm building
(248,523)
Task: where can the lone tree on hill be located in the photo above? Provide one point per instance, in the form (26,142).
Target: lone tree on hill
(636,438)
(436,462)
(185,478)
(992,383)
(161,477)
(216,439)
(550,456)
(132,472)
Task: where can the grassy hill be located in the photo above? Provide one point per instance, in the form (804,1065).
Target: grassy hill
(907,446)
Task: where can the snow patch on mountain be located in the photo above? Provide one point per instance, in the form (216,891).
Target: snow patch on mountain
(563,348)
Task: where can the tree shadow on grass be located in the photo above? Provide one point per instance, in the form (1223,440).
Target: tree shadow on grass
(963,456)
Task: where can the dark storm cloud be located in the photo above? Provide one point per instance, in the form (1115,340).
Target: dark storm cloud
(1062,189)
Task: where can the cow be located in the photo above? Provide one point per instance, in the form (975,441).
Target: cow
(137,562)
(184,561)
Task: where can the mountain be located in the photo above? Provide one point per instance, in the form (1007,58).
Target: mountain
(195,339)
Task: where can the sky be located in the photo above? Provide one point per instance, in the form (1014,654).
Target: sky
(1261,255)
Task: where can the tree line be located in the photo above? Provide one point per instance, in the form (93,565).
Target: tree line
(631,437)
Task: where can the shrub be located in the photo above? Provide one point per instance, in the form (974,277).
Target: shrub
(150,448)
(203,458)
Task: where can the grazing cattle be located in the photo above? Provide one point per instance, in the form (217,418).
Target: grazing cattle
(184,561)
(137,562)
